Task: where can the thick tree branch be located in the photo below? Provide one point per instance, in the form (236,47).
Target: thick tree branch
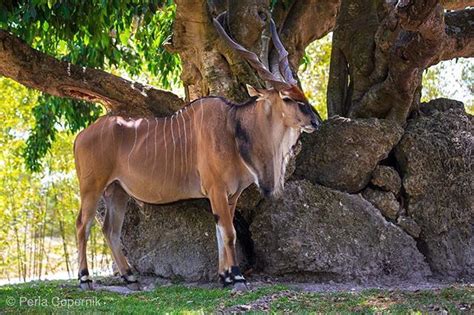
(304,22)
(210,67)
(353,62)
(410,36)
(205,70)
(459,35)
(386,46)
(37,70)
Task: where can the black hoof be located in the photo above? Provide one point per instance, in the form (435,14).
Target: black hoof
(85,283)
(226,279)
(234,278)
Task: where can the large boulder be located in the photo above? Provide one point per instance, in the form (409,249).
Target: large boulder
(435,158)
(175,241)
(316,233)
(344,152)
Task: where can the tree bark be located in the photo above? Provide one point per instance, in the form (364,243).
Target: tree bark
(37,70)
(459,36)
(380,51)
(210,67)
(303,22)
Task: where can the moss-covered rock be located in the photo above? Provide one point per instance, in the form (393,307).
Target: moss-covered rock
(344,152)
(316,233)
(436,160)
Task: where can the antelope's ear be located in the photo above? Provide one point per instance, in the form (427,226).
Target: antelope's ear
(284,95)
(293,93)
(254,91)
(261,95)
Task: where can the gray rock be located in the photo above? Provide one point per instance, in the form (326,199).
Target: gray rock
(249,201)
(386,178)
(435,157)
(344,152)
(175,241)
(441,105)
(317,234)
(409,225)
(385,201)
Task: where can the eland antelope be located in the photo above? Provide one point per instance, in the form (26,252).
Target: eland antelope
(211,149)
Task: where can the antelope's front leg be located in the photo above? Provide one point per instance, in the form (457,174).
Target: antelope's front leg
(229,271)
(224,274)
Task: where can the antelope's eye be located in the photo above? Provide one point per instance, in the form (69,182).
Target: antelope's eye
(287,99)
(305,108)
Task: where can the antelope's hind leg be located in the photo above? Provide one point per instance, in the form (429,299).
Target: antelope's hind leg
(84,222)
(116,202)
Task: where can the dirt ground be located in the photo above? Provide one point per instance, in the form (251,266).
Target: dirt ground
(115,284)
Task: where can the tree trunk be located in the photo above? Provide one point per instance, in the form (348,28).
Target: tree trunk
(381,49)
(210,67)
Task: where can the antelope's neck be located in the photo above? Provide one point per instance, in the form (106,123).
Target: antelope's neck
(264,143)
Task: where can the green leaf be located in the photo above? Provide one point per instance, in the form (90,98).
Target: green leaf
(124,36)
(79,32)
(86,40)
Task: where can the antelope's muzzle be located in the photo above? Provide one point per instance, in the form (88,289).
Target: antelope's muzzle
(316,124)
(271,194)
(266,192)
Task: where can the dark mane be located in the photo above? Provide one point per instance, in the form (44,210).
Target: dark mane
(248,102)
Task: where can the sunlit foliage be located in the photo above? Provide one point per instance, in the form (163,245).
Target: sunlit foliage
(38,210)
(451,79)
(125,36)
(314,73)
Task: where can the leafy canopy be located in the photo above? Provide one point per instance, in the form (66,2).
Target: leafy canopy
(124,37)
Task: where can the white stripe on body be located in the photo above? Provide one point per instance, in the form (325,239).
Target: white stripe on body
(135,125)
(185,147)
(146,138)
(166,154)
(174,148)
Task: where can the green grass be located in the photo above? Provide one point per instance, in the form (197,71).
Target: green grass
(53,296)
(454,300)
